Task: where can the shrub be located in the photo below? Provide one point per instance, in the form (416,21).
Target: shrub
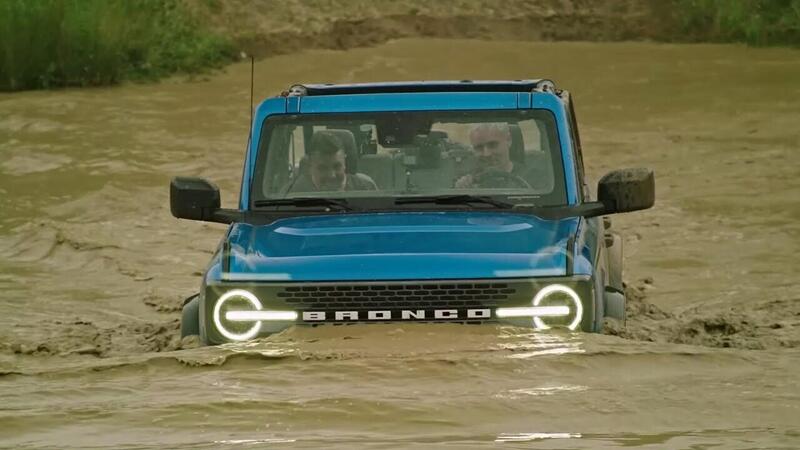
(51,43)
(756,22)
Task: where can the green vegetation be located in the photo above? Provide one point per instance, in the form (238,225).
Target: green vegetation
(52,43)
(756,22)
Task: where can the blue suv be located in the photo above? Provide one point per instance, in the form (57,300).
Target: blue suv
(447,201)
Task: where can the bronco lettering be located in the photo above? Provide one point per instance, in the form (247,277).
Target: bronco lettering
(405,314)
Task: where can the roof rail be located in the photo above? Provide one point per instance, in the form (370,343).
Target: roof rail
(299,90)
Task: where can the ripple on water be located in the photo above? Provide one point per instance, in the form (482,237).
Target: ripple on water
(30,163)
(526,437)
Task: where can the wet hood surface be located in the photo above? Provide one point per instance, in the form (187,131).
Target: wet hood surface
(400,246)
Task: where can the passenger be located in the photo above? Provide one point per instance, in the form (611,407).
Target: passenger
(326,158)
(491,143)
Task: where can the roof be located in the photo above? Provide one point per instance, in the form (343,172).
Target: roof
(420,86)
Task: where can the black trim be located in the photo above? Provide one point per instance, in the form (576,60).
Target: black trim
(599,301)
(577,149)
(226,256)
(421,86)
(570,258)
(226,216)
(398,295)
(189,298)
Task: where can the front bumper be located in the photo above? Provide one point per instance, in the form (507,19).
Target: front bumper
(318,303)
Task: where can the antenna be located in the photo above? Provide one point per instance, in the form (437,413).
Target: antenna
(252,70)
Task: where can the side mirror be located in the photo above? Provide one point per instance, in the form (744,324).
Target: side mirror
(197,199)
(627,190)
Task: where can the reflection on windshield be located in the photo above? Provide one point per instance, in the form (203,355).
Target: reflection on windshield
(492,153)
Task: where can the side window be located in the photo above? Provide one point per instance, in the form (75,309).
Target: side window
(576,140)
(273,160)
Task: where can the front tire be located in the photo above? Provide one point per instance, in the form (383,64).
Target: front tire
(614,305)
(614,246)
(190,318)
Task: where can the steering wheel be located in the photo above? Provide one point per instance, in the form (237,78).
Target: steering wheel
(495,178)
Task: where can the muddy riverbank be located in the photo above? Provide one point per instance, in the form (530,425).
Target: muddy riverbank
(268,28)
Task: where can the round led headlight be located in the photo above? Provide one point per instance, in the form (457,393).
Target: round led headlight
(558,295)
(237,300)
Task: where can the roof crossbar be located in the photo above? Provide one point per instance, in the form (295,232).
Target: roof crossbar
(419,86)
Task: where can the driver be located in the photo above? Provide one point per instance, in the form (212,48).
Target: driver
(326,158)
(491,143)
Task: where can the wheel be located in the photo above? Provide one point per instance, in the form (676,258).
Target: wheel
(190,318)
(614,305)
(614,252)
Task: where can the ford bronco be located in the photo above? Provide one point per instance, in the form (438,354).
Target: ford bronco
(448,201)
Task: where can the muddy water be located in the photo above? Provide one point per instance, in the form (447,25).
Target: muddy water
(93,270)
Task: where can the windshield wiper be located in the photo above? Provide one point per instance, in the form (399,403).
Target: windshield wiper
(458,199)
(340,205)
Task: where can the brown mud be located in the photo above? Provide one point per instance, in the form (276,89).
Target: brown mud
(93,270)
(267,28)
(768,324)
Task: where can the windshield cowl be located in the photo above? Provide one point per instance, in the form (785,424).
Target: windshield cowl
(399,203)
(273,210)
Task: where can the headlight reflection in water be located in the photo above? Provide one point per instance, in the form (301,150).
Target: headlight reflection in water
(523,437)
(531,345)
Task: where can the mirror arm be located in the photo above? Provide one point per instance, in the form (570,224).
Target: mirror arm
(592,209)
(226,216)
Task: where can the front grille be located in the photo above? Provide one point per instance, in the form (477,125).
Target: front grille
(396,295)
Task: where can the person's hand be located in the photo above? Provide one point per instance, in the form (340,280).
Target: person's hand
(464,182)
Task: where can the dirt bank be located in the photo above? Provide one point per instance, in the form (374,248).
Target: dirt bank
(268,27)
(767,324)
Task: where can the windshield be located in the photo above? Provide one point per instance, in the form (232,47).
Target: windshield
(508,155)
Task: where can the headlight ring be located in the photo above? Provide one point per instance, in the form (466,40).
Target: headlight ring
(576,306)
(252,299)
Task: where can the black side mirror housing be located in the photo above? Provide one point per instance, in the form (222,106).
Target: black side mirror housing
(627,190)
(194,199)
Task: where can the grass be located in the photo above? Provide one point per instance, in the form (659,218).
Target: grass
(756,22)
(54,43)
